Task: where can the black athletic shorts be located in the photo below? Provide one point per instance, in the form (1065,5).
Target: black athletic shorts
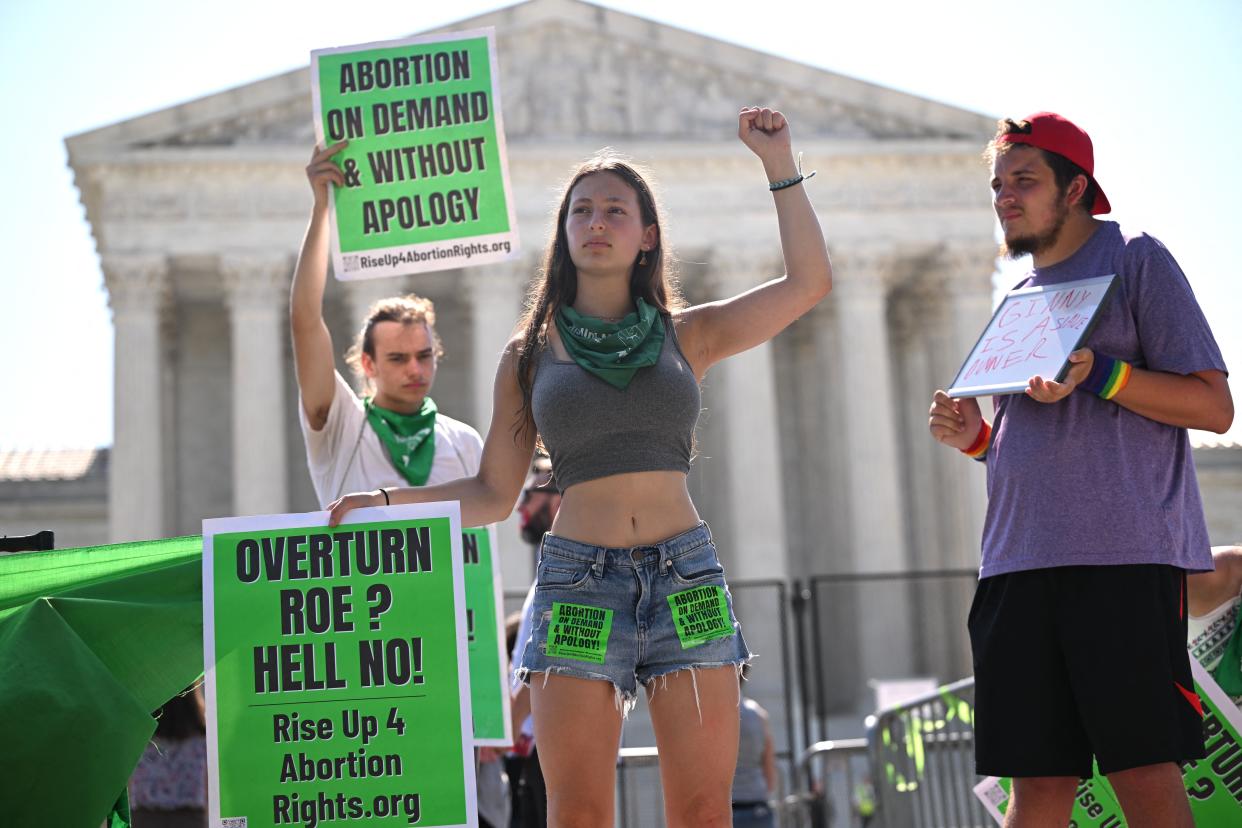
(1082,661)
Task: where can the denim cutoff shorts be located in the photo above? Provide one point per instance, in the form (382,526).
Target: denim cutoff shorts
(631,615)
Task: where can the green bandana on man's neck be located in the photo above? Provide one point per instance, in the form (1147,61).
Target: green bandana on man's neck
(612,351)
(409,438)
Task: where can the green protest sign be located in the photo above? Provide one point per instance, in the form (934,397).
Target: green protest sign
(336,674)
(1213,784)
(579,632)
(700,614)
(485,627)
(426,172)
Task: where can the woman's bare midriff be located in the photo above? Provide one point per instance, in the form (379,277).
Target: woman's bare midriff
(624,510)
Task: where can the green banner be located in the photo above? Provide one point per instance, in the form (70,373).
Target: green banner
(426,172)
(92,640)
(1213,784)
(337,678)
(485,627)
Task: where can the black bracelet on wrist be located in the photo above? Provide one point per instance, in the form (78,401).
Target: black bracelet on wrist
(384,492)
(786,182)
(789,182)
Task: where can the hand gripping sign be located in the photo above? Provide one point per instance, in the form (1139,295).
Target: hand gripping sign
(426,172)
(337,676)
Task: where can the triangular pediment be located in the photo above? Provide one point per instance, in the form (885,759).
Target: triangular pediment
(570,71)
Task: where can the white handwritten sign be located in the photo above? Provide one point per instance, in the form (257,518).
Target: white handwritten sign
(1032,334)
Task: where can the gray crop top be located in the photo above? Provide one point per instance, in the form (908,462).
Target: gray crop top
(593,430)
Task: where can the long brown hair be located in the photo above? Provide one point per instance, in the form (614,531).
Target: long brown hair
(556,283)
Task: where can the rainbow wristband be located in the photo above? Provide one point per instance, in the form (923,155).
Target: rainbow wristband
(1108,376)
(979,447)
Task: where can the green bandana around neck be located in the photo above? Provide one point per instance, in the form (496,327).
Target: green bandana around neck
(612,351)
(1228,672)
(409,438)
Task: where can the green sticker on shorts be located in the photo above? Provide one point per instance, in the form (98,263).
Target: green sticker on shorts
(579,632)
(700,615)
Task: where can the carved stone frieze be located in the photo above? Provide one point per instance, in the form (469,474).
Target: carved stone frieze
(137,282)
(622,87)
(287,123)
(969,266)
(615,77)
(862,269)
(738,268)
(254,282)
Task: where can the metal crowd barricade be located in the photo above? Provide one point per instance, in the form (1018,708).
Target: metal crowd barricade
(922,761)
(640,799)
(831,774)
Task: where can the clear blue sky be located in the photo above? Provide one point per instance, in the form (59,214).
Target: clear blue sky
(1156,83)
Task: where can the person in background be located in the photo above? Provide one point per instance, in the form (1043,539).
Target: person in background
(755,781)
(539,502)
(1214,626)
(395,436)
(168,789)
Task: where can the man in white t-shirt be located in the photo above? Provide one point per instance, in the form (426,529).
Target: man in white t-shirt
(394,436)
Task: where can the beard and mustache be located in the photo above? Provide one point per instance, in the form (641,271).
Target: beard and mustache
(1033,243)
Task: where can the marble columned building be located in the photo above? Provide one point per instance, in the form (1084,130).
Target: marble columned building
(813,451)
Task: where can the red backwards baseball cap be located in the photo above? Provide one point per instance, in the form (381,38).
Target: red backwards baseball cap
(1049,131)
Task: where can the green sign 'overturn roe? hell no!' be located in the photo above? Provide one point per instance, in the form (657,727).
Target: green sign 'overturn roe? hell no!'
(337,675)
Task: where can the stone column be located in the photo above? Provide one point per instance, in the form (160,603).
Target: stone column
(969,289)
(138,294)
(914,317)
(877,524)
(755,483)
(885,624)
(256,293)
(919,323)
(495,293)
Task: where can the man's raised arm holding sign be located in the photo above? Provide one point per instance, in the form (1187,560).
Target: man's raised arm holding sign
(395,437)
(1094,516)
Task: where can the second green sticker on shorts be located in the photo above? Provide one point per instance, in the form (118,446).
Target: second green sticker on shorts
(579,632)
(700,615)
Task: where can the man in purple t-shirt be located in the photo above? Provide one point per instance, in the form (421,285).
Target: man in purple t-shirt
(1078,626)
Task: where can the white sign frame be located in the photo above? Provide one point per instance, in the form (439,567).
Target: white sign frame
(422,258)
(1020,360)
(261,523)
